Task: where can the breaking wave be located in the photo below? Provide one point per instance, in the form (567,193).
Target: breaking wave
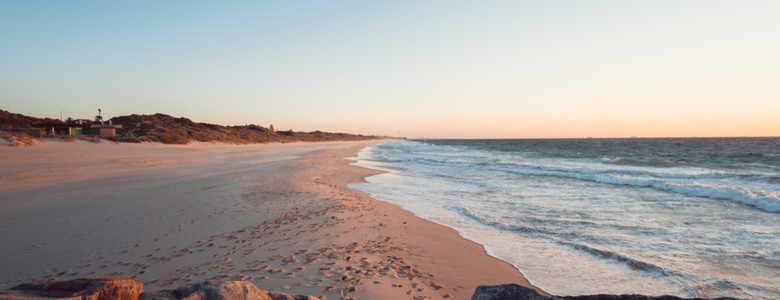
(706,185)
(629,216)
(642,163)
(631,263)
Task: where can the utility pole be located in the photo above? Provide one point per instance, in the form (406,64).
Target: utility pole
(61,113)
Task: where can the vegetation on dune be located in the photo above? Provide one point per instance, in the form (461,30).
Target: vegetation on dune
(16,139)
(171,130)
(10,120)
(166,136)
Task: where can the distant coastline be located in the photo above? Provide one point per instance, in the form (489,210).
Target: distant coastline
(158,127)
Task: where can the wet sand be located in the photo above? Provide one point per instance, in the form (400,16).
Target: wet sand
(279,215)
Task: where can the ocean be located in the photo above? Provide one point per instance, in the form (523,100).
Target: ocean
(691,217)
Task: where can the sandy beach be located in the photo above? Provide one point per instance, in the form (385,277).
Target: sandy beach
(279,215)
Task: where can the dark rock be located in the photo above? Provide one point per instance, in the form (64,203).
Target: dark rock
(83,289)
(232,290)
(517,292)
(506,292)
(131,289)
(633,297)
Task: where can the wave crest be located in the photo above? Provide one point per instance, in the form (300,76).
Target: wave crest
(633,264)
(642,163)
(709,185)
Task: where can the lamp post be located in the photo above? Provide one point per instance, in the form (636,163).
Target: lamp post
(61,113)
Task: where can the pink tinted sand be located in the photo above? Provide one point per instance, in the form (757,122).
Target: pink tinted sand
(279,215)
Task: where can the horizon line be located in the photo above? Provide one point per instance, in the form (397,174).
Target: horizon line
(597,138)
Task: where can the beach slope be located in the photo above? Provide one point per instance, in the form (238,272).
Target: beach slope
(278,215)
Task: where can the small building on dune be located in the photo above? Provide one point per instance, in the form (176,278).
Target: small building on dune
(80,127)
(104,131)
(83,129)
(61,128)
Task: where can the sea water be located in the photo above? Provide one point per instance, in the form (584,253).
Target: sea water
(685,217)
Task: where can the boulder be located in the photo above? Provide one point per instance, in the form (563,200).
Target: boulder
(131,289)
(507,292)
(81,289)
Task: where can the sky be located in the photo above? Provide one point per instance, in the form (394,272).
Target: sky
(430,69)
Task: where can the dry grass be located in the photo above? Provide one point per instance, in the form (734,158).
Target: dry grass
(129,139)
(88,139)
(17,139)
(170,137)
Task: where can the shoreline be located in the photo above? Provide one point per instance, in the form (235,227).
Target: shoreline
(527,206)
(450,235)
(280,216)
(383,170)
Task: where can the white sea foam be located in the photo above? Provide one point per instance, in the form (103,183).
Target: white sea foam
(696,185)
(585,226)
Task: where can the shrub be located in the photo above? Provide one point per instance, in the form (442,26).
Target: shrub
(129,139)
(170,137)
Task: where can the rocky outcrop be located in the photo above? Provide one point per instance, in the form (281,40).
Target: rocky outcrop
(83,289)
(517,292)
(506,292)
(634,297)
(131,289)
(232,290)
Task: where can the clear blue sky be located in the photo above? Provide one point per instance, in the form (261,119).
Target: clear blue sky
(414,68)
